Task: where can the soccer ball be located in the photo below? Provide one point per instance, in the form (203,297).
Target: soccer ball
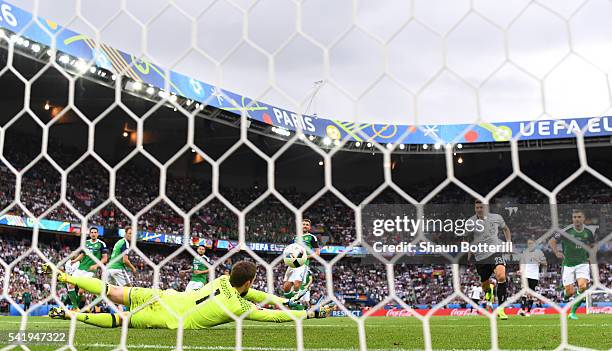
(295,255)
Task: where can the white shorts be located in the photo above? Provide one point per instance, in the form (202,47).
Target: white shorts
(82,273)
(119,277)
(194,285)
(571,274)
(296,274)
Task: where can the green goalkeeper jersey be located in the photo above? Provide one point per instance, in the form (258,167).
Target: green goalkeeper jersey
(310,241)
(96,249)
(159,308)
(117,255)
(573,253)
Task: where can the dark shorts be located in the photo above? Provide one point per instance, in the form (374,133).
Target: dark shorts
(532,283)
(486,267)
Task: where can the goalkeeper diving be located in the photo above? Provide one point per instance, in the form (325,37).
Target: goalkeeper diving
(203,308)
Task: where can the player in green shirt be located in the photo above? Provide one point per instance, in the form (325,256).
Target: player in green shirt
(120,262)
(203,308)
(93,247)
(199,270)
(297,281)
(87,266)
(575,257)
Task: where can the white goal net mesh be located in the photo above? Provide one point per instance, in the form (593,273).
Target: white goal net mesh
(469,80)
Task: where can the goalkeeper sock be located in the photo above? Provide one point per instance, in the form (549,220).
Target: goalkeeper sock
(92,285)
(104,320)
(501,293)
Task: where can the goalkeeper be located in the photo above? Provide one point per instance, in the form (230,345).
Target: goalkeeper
(156,308)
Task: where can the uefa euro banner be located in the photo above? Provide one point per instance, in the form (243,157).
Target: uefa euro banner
(230,244)
(81,46)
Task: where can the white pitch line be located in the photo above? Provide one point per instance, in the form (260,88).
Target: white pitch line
(368,325)
(432,325)
(30,322)
(220,348)
(248,348)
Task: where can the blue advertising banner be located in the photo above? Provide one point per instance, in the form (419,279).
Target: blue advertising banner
(42,310)
(230,244)
(267,247)
(340,313)
(156,237)
(44,224)
(78,45)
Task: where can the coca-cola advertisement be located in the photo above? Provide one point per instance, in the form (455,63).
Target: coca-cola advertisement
(601,310)
(398,313)
(461,312)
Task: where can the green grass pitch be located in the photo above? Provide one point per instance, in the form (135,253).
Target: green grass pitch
(536,332)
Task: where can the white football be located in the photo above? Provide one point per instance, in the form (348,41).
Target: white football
(295,255)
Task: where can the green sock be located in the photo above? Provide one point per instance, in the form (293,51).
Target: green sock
(104,320)
(92,285)
(289,294)
(577,304)
(74,298)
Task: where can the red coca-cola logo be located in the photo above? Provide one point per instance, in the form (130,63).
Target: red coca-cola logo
(538,310)
(462,312)
(398,313)
(604,310)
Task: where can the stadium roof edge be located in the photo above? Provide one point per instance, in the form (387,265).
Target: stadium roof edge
(283,120)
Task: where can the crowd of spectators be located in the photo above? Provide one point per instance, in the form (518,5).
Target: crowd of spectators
(270,221)
(356,283)
(137,186)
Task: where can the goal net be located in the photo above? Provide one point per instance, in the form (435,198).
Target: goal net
(101,133)
(598,301)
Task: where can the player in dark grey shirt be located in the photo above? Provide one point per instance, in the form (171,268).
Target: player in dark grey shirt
(488,263)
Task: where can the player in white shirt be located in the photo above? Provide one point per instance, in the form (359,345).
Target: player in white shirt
(531,260)
(475,295)
(489,263)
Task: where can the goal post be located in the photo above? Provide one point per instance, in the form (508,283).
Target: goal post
(599,301)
